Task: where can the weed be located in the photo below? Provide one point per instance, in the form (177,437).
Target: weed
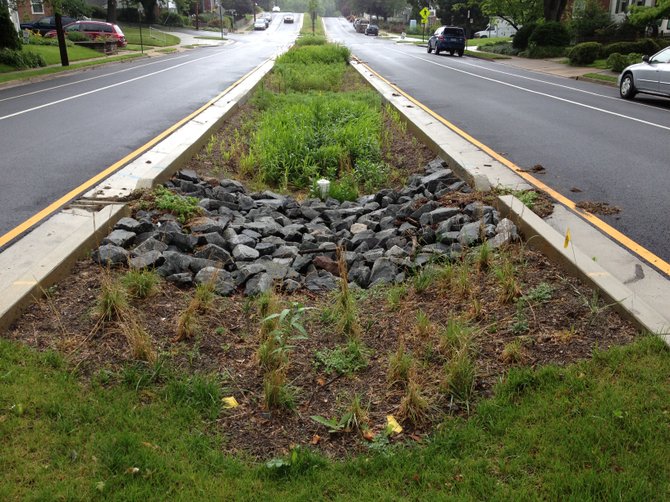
(461,281)
(345,310)
(137,337)
(506,277)
(527,197)
(299,461)
(513,352)
(276,391)
(424,279)
(455,337)
(112,300)
(202,393)
(401,363)
(520,320)
(539,294)
(209,147)
(423,325)
(183,208)
(345,359)
(140,283)
(187,324)
(414,406)
(460,377)
(483,259)
(273,353)
(204,296)
(395,295)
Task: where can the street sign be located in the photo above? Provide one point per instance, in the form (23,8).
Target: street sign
(424,13)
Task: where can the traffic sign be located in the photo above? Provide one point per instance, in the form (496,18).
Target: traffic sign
(424,13)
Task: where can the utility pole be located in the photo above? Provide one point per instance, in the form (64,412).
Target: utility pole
(60,34)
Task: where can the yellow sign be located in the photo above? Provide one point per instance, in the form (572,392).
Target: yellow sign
(424,13)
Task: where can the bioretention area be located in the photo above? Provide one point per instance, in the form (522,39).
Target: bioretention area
(476,370)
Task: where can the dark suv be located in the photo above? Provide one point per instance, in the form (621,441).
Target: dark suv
(447,38)
(45,24)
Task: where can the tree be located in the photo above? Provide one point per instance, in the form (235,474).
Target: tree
(8,37)
(642,17)
(553,9)
(515,12)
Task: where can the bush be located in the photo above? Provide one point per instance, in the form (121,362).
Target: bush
(309,54)
(75,36)
(585,53)
(98,12)
(310,40)
(504,48)
(171,19)
(550,34)
(645,46)
(21,60)
(535,51)
(586,21)
(520,40)
(618,61)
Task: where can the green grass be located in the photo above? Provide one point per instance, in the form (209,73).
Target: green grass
(306,29)
(51,53)
(601,64)
(485,55)
(600,76)
(211,38)
(15,75)
(482,42)
(596,430)
(149,38)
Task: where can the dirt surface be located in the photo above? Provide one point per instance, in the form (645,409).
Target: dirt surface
(602,208)
(563,327)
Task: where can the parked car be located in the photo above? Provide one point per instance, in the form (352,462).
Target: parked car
(94,30)
(372,29)
(651,76)
(45,24)
(260,24)
(288,18)
(360,24)
(447,38)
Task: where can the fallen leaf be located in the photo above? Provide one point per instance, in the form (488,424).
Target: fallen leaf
(315,439)
(416,438)
(320,382)
(392,425)
(368,435)
(132,470)
(230,402)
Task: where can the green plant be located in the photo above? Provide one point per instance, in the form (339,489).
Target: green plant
(520,320)
(539,294)
(550,34)
(414,406)
(589,18)
(520,40)
(140,283)
(400,367)
(535,51)
(21,60)
(187,323)
(9,39)
(483,258)
(202,393)
(423,324)
(344,359)
(273,353)
(646,46)
(204,296)
(424,279)
(345,309)
(112,300)
(460,376)
(455,337)
(138,339)
(584,53)
(617,62)
(183,208)
(276,391)
(395,295)
(506,276)
(299,461)
(513,352)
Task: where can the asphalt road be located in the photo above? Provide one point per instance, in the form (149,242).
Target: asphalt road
(583,134)
(58,133)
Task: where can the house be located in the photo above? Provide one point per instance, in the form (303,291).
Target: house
(29,10)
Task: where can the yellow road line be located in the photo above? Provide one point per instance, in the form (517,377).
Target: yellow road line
(51,208)
(591,218)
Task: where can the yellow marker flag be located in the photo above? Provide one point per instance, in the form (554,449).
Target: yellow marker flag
(567,238)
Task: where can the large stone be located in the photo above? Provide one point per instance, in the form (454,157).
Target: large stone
(119,238)
(470,234)
(259,283)
(213,252)
(174,263)
(384,271)
(506,233)
(323,281)
(203,225)
(212,238)
(150,259)
(181,280)
(151,244)
(360,275)
(431,181)
(326,263)
(439,215)
(222,280)
(110,254)
(133,225)
(245,253)
(286,252)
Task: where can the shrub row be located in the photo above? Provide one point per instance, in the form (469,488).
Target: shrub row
(588,52)
(618,61)
(21,60)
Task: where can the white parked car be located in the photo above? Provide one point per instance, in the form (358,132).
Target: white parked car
(260,24)
(651,76)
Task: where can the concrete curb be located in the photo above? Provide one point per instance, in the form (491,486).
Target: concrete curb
(640,301)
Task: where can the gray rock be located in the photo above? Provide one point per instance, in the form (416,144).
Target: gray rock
(150,259)
(301,262)
(222,280)
(175,263)
(308,212)
(506,233)
(383,271)
(245,253)
(241,240)
(431,181)
(184,242)
(436,248)
(293,233)
(213,252)
(266,248)
(360,275)
(442,214)
(204,225)
(396,252)
(151,244)
(132,225)
(188,175)
(197,264)
(427,207)
(286,252)
(323,281)
(110,254)
(470,234)
(291,286)
(119,238)
(212,238)
(258,284)
(181,280)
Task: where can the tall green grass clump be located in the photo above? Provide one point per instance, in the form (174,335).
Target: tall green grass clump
(324,135)
(318,67)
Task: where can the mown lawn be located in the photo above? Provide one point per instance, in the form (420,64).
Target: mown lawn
(596,430)
(150,37)
(51,53)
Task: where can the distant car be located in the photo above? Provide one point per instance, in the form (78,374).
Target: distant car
(94,30)
(360,24)
(651,76)
(288,18)
(276,8)
(268,17)
(447,38)
(372,29)
(45,24)
(260,24)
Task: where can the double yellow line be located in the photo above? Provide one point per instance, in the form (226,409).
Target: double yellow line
(607,229)
(54,206)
